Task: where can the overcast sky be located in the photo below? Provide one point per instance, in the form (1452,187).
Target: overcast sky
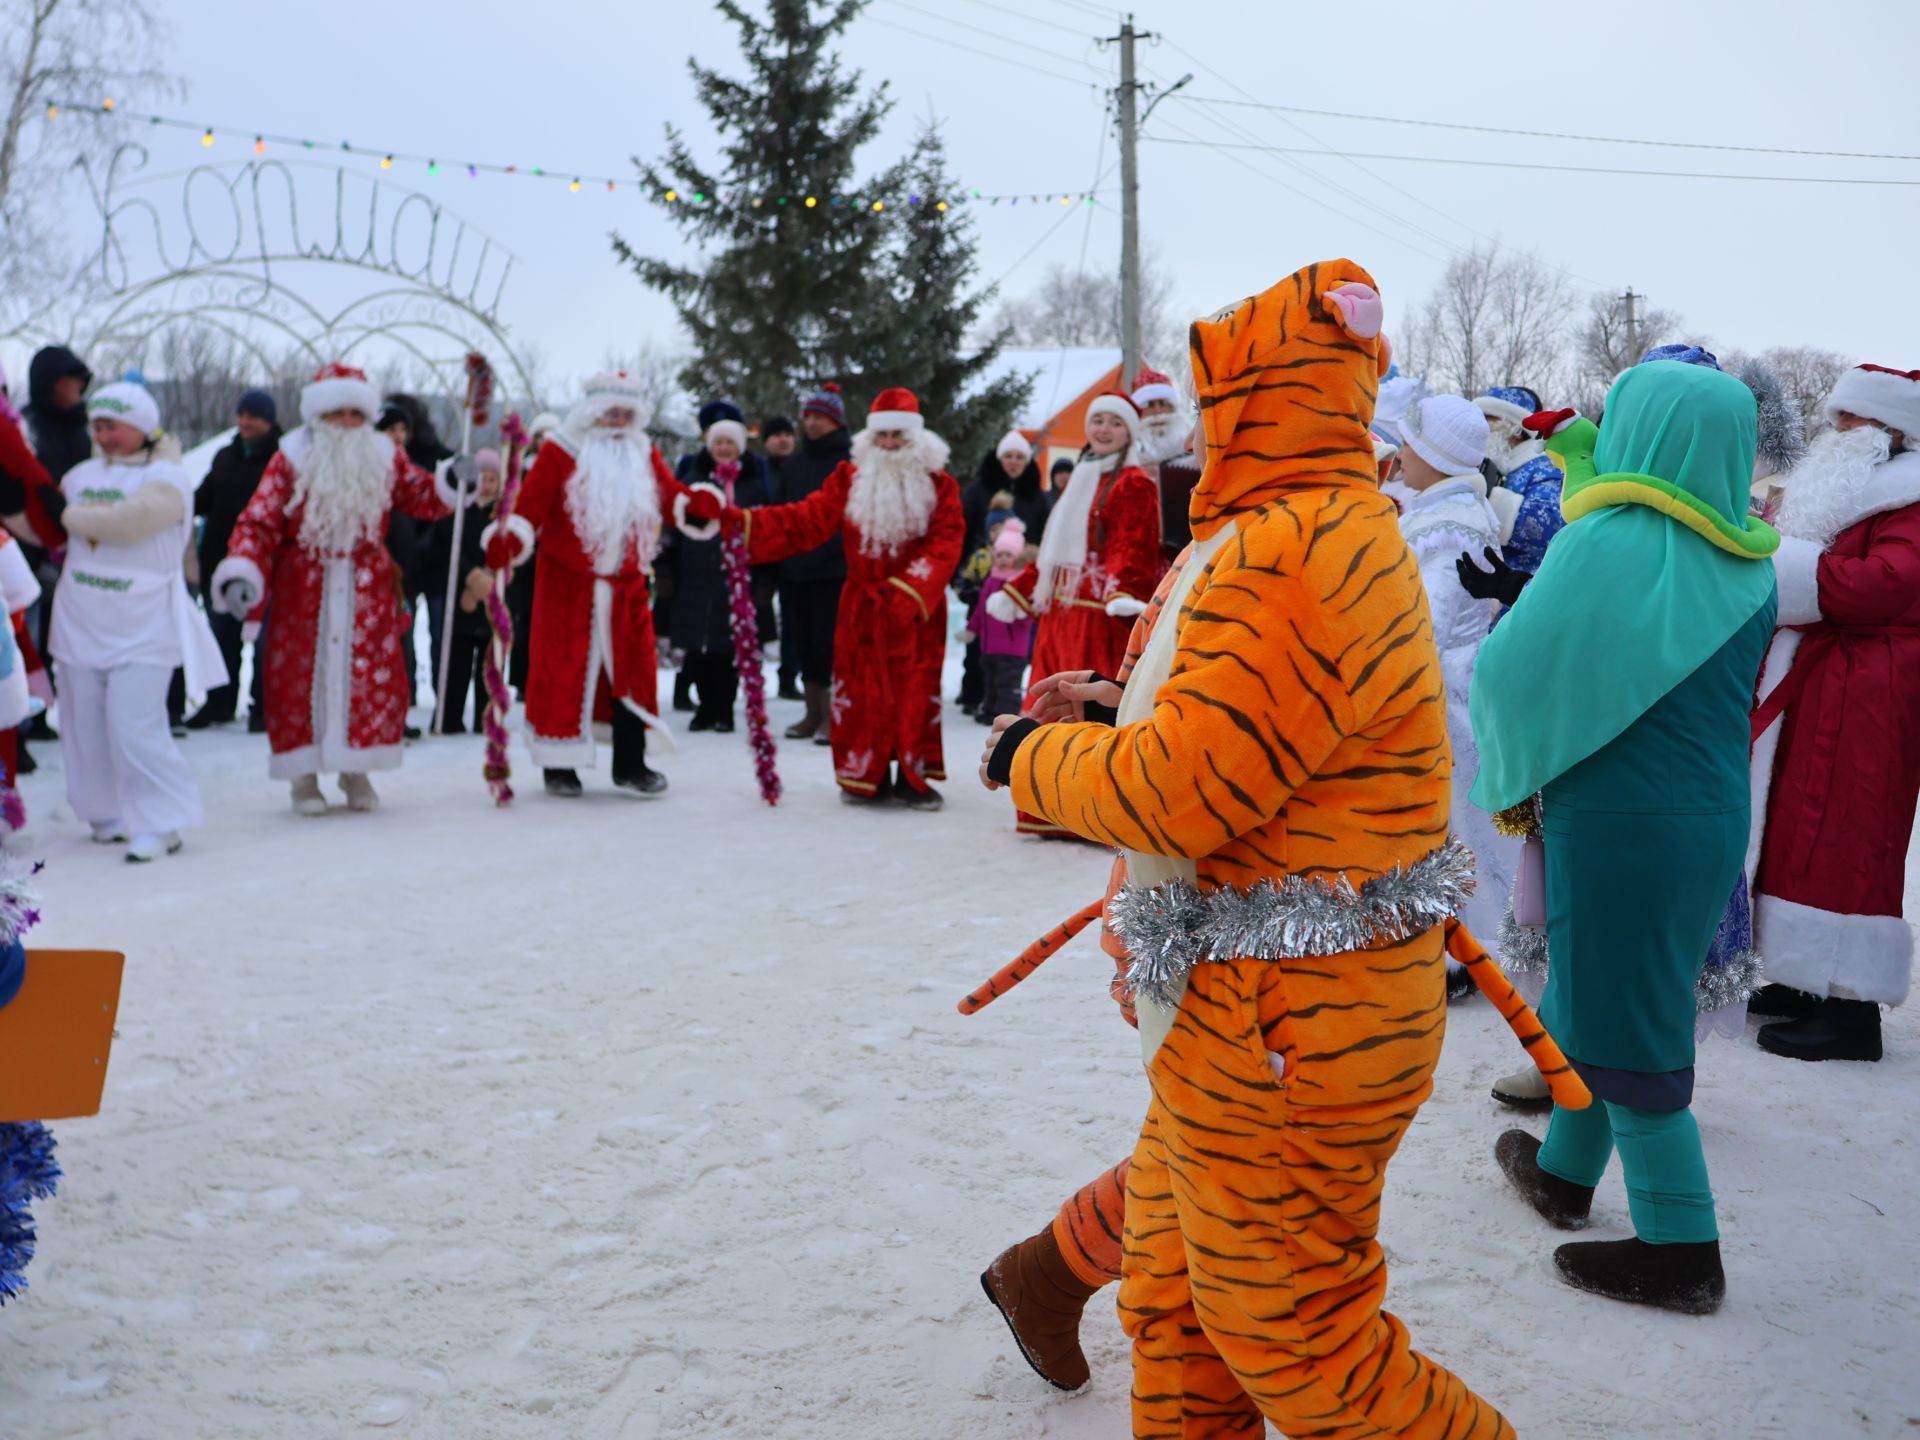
(580,85)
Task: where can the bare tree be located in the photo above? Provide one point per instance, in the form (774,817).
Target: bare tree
(1601,350)
(1079,308)
(55,52)
(1808,373)
(657,369)
(1496,318)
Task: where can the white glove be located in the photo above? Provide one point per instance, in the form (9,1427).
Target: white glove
(1004,608)
(1125,607)
(237,597)
(967,637)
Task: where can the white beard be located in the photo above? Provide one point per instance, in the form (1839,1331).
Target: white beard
(344,486)
(1162,438)
(892,496)
(1825,491)
(1509,458)
(613,499)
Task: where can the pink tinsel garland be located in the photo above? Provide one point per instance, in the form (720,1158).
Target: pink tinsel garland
(498,770)
(746,655)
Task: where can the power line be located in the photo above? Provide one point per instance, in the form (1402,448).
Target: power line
(976,50)
(1543,134)
(1539,165)
(980,30)
(1077,33)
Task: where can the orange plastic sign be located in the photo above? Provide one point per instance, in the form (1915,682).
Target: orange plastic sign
(55,1035)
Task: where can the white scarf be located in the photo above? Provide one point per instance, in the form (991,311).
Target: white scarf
(1063,546)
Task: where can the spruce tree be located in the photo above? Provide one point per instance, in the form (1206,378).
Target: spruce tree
(915,334)
(785,290)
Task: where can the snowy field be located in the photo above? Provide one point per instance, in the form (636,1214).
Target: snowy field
(615,1119)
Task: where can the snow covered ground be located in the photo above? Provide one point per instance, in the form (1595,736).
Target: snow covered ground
(635,1119)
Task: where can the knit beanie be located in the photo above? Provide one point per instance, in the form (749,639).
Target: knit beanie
(1447,432)
(826,401)
(129,403)
(487,460)
(777,425)
(1012,539)
(260,403)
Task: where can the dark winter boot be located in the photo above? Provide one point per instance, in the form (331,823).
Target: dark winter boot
(563,783)
(1460,984)
(1781,1002)
(788,689)
(1686,1279)
(1041,1299)
(630,770)
(683,689)
(1834,1030)
(809,724)
(1561,1203)
(925,799)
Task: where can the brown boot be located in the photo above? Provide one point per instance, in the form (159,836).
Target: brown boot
(1041,1299)
(816,712)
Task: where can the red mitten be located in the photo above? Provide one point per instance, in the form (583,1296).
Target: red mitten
(704,506)
(732,518)
(1550,422)
(500,549)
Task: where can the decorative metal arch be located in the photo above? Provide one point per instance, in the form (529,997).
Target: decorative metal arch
(232,257)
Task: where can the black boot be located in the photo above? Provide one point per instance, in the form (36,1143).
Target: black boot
(563,783)
(1561,1203)
(683,689)
(1686,1279)
(789,689)
(1781,1002)
(1834,1030)
(630,770)
(1460,985)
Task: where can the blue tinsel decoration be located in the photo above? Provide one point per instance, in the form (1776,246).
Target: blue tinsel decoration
(28,1172)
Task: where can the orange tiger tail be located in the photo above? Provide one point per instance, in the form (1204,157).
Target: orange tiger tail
(1568,1089)
(1031,958)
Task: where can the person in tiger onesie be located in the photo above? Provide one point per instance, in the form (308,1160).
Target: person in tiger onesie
(1278,780)
(1099,561)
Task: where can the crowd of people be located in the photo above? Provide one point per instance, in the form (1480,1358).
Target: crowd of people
(1347,672)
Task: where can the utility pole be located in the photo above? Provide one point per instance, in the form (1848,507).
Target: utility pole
(1632,303)
(1129,110)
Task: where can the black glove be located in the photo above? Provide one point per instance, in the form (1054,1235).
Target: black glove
(1504,583)
(13,494)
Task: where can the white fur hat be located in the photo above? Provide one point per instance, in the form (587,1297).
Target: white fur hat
(727,429)
(339,387)
(127,402)
(1014,443)
(1447,432)
(1877,393)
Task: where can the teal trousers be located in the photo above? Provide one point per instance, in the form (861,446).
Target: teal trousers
(1660,1157)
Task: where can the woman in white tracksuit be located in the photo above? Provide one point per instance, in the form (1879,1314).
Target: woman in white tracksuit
(122,623)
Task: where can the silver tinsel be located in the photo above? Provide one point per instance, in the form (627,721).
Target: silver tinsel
(1523,951)
(1782,434)
(1171,928)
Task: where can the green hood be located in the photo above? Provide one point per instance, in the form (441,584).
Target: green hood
(1654,572)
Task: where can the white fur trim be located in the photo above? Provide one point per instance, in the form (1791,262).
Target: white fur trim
(1894,486)
(1893,400)
(520,528)
(1114,405)
(1013,443)
(705,531)
(1003,607)
(238,567)
(1786,643)
(727,429)
(1494,407)
(442,487)
(1854,957)
(1120,607)
(19,586)
(323,397)
(1147,394)
(895,420)
(292,764)
(1796,567)
(1505,505)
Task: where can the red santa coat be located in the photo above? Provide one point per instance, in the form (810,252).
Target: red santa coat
(890,637)
(1124,562)
(591,639)
(336,682)
(1837,764)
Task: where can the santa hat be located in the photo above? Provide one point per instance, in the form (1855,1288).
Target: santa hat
(1512,403)
(338,387)
(613,388)
(897,408)
(1115,402)
(127,402)
(1875,392)
(1150,385)
(826,401)
(1014,443)
(545,423)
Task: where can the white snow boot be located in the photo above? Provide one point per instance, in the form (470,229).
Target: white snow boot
(110,834)
(151,847)
(307,799)
(359,792)
(1524,1090)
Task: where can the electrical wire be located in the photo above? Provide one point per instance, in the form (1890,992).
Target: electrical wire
(1251,104)
(1078,32)
(1542,165)
(979,30)
(976,50)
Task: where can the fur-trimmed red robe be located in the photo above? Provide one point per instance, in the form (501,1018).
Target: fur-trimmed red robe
(591,641)
(890,637)
(336,683)
(1837,764)
(1124,562)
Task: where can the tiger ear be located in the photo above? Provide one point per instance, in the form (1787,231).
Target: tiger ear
(1358,308)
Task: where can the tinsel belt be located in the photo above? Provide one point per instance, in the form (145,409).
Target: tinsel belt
(1170,928)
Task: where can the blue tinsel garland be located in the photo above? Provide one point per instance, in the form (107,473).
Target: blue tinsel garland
(27,1172)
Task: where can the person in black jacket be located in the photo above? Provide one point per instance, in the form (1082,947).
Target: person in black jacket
(56,409)
(702,608)
(780,440)
(1010,468)
(230,483)
(472,631)
(407,538)
(810,583)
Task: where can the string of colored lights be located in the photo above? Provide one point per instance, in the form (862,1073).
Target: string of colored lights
(262,141)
